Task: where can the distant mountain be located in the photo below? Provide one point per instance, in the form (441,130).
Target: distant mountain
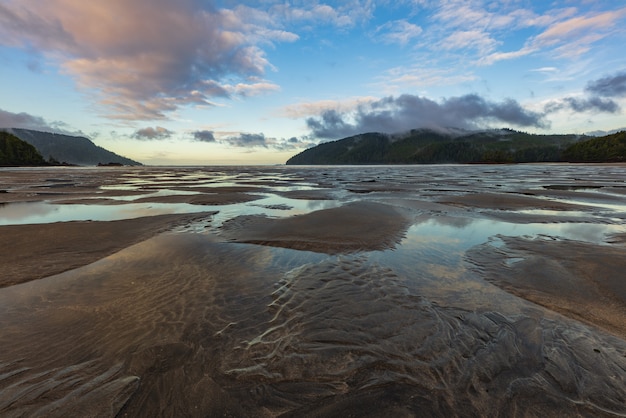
(68,149)
(426,146)
(15,152)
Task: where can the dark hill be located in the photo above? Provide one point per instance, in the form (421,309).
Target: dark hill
(15,152)
(424,146)
(69,149)
(609,148)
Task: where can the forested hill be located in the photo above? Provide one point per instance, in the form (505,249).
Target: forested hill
(610,148)
(15,152)
(423,146)
(76,150)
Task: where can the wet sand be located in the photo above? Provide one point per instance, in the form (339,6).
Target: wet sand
(574,278)
(31,252)
(327,291)
(357,226)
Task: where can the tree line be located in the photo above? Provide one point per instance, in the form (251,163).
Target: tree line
(490,147)
(15,152)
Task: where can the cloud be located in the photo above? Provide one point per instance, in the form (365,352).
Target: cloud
(573,37)
(501,56)
(399,79)
(405,112)
(568,38)
(602,91)
(146,58)
(252,89)
(398,32)
(246,140)
(150,134)
(22,120)
(465,39)
(545,70)
(577,28)
(203,136)
(260,140)
(305,109)
(37,123)
(346,15)
(331,124)
(603,133)
(579,105)
(610,86)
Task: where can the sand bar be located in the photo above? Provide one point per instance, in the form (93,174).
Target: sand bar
(31,252)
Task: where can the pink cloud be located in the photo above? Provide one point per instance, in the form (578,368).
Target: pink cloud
(570,29)
(145,58)
(569,38)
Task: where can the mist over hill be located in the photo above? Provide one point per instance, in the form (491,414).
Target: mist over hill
(69,149)
(427,146)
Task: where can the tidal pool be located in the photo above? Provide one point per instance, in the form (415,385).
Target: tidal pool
(305,306)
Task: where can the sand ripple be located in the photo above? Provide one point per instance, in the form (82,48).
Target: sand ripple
(365,309)
(351,337)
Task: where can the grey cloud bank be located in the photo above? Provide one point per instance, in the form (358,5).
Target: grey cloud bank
(610,86)
(152,133)
(405,112)
(203,136)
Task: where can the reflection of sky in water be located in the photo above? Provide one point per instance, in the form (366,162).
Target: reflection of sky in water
(443,241)
(609,206)
(431,255)
(466,233)
(44,212)
(151,184)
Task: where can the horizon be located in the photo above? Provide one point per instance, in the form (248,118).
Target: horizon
(239,83)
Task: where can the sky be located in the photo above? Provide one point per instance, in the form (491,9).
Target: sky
(200,82)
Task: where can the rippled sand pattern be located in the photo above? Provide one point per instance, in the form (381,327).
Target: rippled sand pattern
(316,292)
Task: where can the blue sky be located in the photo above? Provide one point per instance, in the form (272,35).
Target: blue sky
(224,82)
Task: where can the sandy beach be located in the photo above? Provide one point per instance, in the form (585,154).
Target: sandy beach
(326,291)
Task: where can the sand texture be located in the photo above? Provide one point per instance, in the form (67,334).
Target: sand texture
(30,252)
(359,226)
(445,291)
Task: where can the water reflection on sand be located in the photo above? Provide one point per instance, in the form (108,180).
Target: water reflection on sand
(289,300)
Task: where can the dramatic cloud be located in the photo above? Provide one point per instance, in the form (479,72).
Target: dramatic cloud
(611,86)
(402,113)
(204,136)
(150,134)
(147,58)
